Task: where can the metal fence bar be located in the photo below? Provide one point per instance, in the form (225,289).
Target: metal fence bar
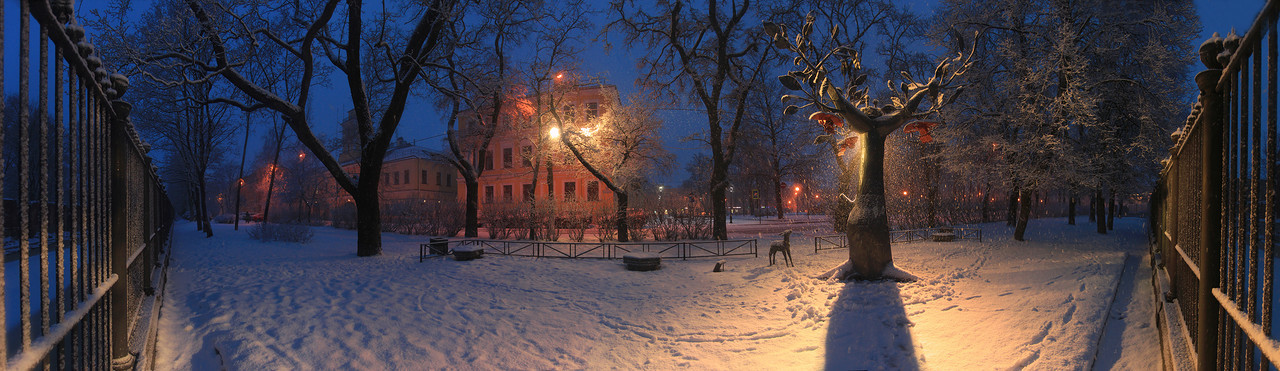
(85,227)
(1269,211)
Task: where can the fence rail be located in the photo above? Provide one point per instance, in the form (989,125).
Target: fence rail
(88,219)
(604,250)
(1213,210)
(838,241)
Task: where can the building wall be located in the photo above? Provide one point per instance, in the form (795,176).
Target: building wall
(413,179)
(508,173)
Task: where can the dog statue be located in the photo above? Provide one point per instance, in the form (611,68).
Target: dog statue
(783,246)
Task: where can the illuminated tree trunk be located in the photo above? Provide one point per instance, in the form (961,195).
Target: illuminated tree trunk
(1025,200)
(1071,209)
(867,227)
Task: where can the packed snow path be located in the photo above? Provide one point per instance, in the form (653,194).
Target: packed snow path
(998,304)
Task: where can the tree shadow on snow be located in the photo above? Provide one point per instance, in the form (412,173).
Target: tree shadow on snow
(869,330)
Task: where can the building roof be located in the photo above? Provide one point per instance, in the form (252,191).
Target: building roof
(401,151)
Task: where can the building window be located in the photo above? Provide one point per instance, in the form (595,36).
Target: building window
(506,158)
(593,191)
(488,194)
(527,190)
(506,193)
(406,177)
(568,113)
(438,178)
(526,156)
(395,178)
(386,179)
(488,160)
(570,191)
(593,110)
(448,180)
(424,177)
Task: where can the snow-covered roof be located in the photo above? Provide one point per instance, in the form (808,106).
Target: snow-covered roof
(409,151)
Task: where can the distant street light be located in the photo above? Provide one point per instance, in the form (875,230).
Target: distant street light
(554,133)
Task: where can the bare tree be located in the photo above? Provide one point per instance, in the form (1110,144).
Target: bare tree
(236,31)
(618,149)
(472,78)
(777,144)
(711,53)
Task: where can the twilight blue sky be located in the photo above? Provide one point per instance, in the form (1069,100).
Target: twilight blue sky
(422,122)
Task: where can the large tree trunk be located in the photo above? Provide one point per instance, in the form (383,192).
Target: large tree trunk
(240,181)
(1011,216)
(1024,215)
(1071,209)
(986,196)
(1099,206)
(1111,212)
(719,177)
(1093,207)
(472,218)
(931,210)
(194,200)
(271,176)
(621,200)
(867,228)
(204,207)
(368,220)
(777,196)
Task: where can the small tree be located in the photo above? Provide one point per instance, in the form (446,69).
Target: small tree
(617,148)
(852,120)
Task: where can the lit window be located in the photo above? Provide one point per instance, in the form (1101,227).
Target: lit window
(506,193)
(488,194)
(527,189)
(593,191)
(593,110)
(570,191)
(506,158)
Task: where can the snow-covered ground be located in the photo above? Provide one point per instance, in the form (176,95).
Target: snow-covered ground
(996,304)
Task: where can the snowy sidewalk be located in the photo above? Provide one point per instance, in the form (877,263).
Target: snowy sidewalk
(992,305)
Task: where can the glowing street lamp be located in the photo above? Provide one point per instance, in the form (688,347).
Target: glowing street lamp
(554,133)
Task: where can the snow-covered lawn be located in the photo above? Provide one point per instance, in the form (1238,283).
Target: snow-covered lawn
(991,305)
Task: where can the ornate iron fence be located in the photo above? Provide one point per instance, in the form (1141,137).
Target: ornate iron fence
(1214,222)
(605,250)
(85,216)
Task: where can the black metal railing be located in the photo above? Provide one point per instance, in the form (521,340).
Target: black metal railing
(1214,205)
(839,241)
(85,216)
(604,250)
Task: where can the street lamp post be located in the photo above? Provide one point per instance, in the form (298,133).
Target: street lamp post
(727,202)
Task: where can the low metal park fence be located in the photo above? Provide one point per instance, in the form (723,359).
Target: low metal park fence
(604,250)
(839,241)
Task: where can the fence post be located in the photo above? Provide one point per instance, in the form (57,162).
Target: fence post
(1211,122)
(121,358)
